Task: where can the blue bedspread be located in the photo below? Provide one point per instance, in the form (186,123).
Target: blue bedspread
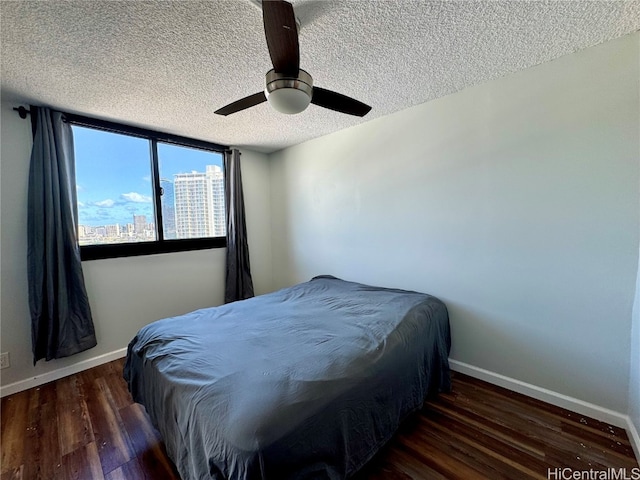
(306,382)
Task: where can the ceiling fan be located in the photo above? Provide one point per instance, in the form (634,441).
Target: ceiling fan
(289,89)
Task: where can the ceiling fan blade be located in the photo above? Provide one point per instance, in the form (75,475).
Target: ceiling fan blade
(282,36)
(338,102)
(242,104)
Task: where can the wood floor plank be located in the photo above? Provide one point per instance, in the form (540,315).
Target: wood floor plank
(83,463)
(614,444)
(86,426)
(579,441)
(497,430)
(543,408)
(137,424)
(391,463)
(146,441)
(156,464)
(483,459)
(42,457)
(118,390)
(617,440)
(13,474)
(480,439)
(496,456)
(15,410)
(111,438)
(48,392)
(431,455)
(74,426)
(573,446)
(128,471)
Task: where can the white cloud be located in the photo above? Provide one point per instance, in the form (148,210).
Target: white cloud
(147,178)
(81,204)
(136,197)
(105,203)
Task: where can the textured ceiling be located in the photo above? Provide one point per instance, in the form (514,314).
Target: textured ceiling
(168,65)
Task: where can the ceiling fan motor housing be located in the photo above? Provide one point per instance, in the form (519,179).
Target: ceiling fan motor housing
(289,94)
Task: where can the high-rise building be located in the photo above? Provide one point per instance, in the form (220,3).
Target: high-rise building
(139,224)
(168,209)
(199,203)
(217,194)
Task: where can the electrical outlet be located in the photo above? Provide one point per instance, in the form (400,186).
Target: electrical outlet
(4,360)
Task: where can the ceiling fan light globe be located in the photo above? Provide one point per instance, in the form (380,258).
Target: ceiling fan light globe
(288,93)
(288,100)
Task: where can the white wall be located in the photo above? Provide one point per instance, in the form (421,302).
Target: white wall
(516,202)
(124,293)
(634,363)
(634,370)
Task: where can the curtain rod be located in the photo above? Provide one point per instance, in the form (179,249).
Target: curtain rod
(23,112)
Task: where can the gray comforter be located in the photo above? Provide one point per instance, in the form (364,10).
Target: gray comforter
(307,382)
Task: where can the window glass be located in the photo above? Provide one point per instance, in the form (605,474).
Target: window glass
(142,192)
(114,187)
(192,192)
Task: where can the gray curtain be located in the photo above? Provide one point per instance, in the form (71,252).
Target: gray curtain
(239,285)
(61,323)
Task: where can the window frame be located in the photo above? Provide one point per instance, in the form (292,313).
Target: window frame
(160,245)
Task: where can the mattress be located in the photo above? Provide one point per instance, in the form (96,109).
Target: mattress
(304,383)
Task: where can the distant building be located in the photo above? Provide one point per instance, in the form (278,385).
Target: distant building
(199,203)
(219,217)
(113,230)
(139,224)
(168,209)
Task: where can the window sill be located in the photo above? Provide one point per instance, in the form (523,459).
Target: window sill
(100,252)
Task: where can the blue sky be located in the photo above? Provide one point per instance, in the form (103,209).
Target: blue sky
(113,174)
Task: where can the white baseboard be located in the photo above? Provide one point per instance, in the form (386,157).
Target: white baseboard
(634,438)
(60,372)
(558,399)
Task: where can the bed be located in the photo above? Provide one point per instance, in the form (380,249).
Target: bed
(304,383)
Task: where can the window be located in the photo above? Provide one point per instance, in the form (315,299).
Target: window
(142,192)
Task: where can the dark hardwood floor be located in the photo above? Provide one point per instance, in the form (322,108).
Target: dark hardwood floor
(86,427)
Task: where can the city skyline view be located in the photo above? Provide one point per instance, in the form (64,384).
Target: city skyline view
(114,182)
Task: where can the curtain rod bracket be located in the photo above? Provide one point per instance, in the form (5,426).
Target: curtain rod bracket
(23,112)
